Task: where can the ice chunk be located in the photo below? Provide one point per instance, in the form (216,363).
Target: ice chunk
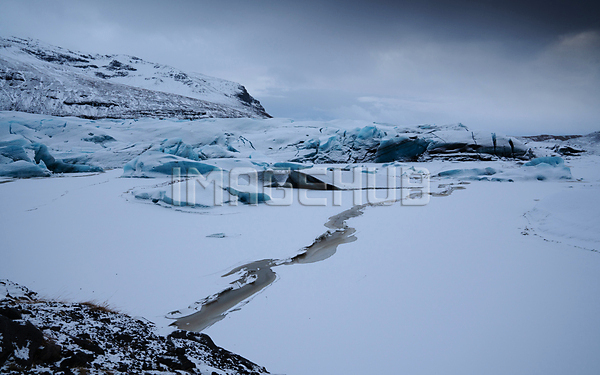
(216,152)
(290,165)
(179,148)
(158,164)
(550,160)
(400,148)
(5,160)
(23,169)
(468,172)
(545,171)
(248,197)
(14,148)
(163,196)
(548,168)
(58,166)
(332,143)
(506,147)
(14,140)
(100,139)
(261,164)
(310,144)
(301,180)
(451,142)
(14,152)
(369,132)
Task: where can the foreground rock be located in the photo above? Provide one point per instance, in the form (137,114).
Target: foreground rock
(45,337)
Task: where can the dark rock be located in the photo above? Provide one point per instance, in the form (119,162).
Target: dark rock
(10,312)
(117,65)
(73,348)
(50,353)
(180,362)
(77,359)
(21,337)
(569,151)
(300,180)
(88,345)
(123,337)
(123,367)
(220,356)
(546,137)
(198,337)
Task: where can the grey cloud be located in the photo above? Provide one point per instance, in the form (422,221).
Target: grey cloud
(528,65)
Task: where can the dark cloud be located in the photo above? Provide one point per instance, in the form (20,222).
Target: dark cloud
(524,66)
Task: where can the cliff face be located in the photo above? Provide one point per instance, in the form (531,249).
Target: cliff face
(39,78)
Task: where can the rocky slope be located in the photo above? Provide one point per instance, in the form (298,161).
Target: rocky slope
(43,337)
(40,78)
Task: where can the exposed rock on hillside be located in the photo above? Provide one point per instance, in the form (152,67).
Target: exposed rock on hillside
(38,336)
(40,78)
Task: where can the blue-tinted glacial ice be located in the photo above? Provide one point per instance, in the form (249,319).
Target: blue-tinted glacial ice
(369,132)
(474,172)
(177,147)
(58,166)
(550,160)
(24,169)
(248,197)
(158,164)
(291,166)
(400,148)
(546,168)
(14,152)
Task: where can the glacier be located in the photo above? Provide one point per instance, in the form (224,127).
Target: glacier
(70,144)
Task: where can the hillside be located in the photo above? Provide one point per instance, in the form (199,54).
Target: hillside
(44,79)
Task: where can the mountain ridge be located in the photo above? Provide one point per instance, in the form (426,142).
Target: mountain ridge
(40,78)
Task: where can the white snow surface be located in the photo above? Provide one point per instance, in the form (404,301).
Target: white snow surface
(570,216)
(490,277)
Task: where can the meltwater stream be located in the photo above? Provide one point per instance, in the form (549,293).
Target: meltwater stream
(257,275)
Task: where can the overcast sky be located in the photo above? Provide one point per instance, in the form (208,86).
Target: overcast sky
(519,67)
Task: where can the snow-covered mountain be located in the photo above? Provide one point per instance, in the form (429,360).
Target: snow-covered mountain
(40,78)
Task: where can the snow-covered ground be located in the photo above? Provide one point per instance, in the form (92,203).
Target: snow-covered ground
(496,277)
